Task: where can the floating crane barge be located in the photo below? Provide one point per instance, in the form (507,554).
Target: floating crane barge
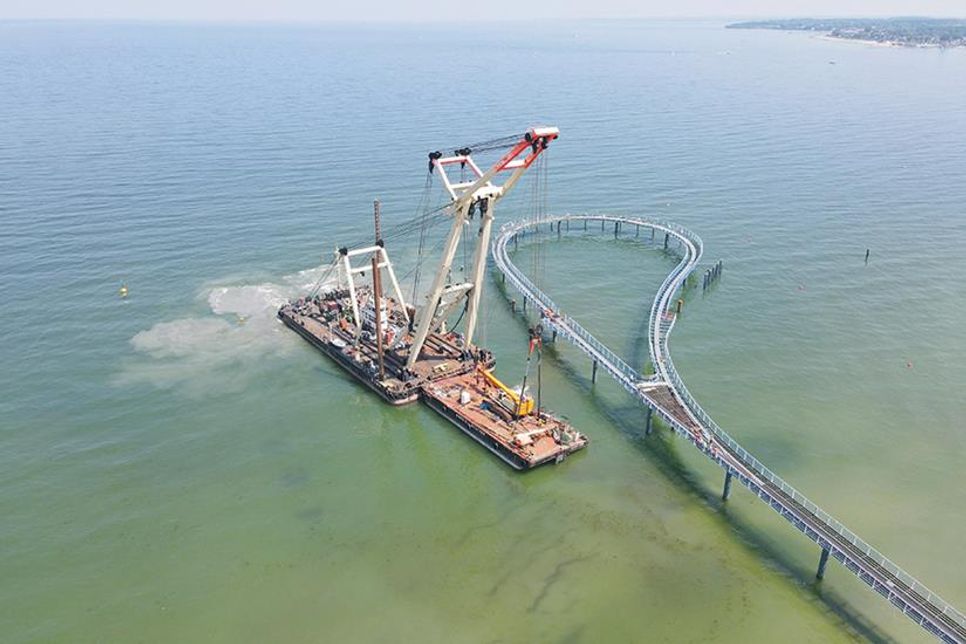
(323,321)
(404,357)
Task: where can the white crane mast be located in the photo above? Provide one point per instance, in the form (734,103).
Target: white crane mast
(480,194)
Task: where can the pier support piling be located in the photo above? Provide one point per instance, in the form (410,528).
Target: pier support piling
(823,560)
(726,492)
(553,337)
(524,305)
(648,425)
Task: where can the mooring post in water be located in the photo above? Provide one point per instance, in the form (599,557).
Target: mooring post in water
(727,486)
(568,225)
(593,373)
(601,224)
(652,233)
(648,427)
(680,305)
(513,306)
(822,561)
(554,336)
(867,256)
(666,237)
(524,305)
(617,226)
(585,224)
(558,230)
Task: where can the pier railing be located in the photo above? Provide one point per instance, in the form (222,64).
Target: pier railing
(910,595)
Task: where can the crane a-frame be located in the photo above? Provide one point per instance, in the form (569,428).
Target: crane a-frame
(479,196)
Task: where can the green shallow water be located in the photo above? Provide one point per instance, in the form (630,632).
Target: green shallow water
(170,474)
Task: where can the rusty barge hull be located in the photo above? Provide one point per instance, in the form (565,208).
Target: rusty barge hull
(448,377)
(440,358)
(354,369)
(476,434)
(523,442)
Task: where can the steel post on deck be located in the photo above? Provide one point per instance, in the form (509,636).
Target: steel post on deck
(727,486)
(593,373)
(822,561)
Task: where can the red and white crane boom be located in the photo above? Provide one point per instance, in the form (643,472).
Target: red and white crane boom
(479,194)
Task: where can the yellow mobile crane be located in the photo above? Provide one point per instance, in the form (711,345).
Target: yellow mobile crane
(523,405)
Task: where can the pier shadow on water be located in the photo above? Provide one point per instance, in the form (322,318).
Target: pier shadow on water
(662,448)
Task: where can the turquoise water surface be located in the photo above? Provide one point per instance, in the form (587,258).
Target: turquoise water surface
(176,466)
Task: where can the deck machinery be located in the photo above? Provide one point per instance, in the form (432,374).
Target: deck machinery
(404,354)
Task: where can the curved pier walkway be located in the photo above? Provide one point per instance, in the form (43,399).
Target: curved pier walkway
(664,393)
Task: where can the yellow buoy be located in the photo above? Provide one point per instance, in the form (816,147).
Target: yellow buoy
(123,290)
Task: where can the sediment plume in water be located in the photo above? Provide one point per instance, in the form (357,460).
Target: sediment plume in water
(200,353)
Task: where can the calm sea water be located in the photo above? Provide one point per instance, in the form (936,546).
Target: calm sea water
(174,466)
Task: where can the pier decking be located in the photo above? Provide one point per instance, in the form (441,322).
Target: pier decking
(664,393)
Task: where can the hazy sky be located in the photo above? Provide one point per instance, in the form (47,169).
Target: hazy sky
(420,10)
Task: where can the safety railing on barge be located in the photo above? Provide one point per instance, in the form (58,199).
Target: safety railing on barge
(911,596)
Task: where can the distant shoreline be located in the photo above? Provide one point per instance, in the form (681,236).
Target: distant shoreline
(875,43)
(917,33)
